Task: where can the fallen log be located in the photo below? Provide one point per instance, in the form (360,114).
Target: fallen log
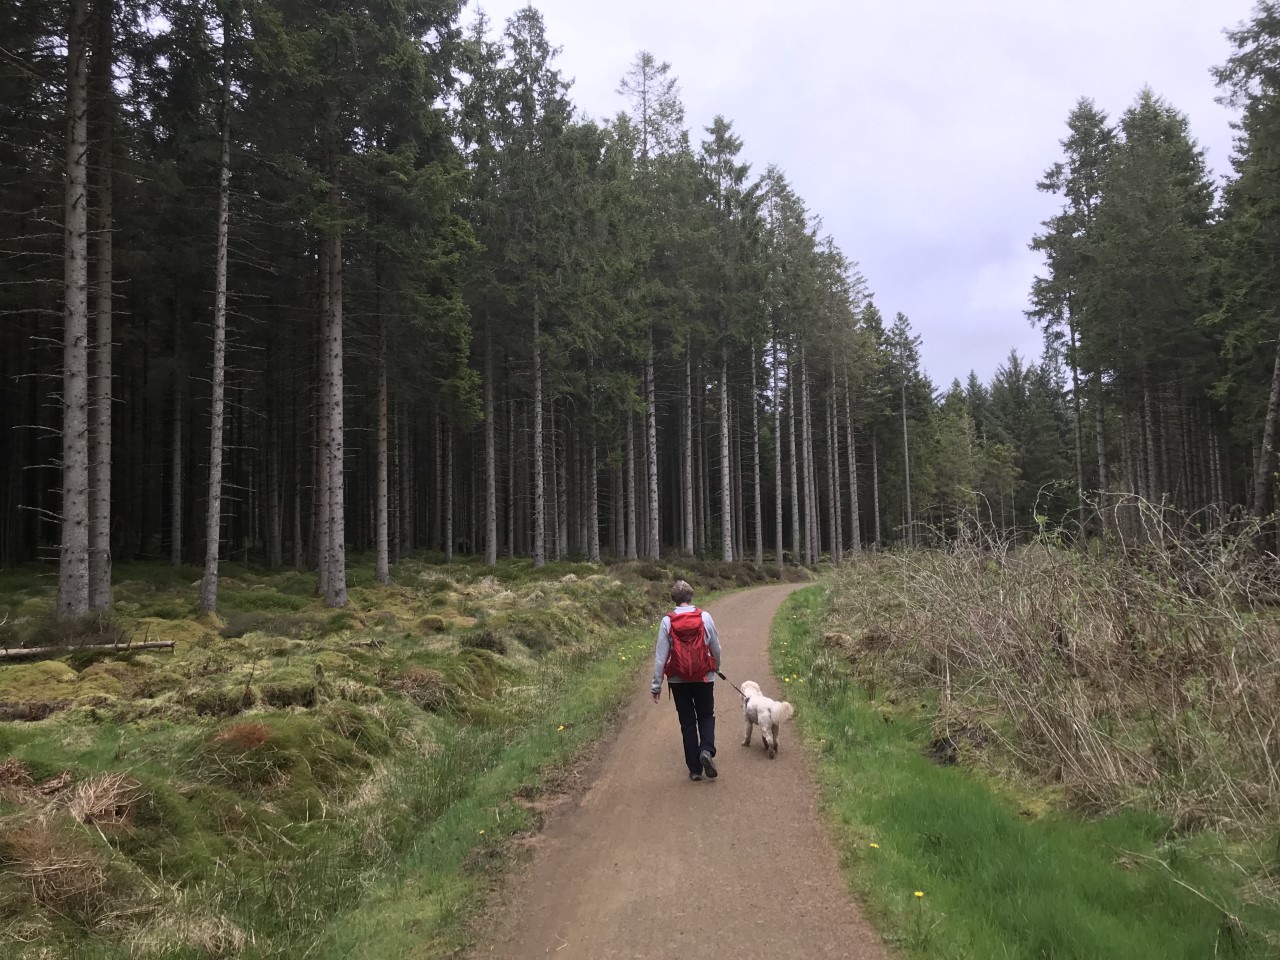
(17,652)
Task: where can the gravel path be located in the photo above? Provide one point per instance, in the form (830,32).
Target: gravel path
(649,865)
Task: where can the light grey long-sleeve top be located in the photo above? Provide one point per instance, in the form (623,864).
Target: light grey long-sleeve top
(664,646)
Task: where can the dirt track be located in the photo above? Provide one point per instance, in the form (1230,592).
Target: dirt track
(649,865)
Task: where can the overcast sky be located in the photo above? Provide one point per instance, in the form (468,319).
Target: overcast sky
(916,130)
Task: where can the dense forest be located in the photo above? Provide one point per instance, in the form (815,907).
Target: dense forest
(285,279)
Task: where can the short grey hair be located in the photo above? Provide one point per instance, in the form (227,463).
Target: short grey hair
(681,592)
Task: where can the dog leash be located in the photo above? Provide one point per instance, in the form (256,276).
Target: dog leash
(731,683)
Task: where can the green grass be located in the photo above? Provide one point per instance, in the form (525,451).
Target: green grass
(422,911)
(1000,878)
(311,782)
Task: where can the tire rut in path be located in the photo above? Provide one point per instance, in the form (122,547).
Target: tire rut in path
(649,864)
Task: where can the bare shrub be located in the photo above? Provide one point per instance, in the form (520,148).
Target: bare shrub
(1146,666)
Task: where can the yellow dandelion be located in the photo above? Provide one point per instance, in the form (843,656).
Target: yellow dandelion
(786,679)
(482,834)
(561,727)
(919,893)
(874,846)
(802,679)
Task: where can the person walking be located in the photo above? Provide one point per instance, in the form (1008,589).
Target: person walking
(688,655)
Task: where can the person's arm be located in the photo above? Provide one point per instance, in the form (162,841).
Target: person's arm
(713,637)
(660,655)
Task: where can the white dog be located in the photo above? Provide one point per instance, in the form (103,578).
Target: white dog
(768,714)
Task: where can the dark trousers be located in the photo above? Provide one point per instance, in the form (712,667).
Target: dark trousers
(696,707)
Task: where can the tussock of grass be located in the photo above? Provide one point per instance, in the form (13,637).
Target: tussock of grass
(286,765)
(1002,873)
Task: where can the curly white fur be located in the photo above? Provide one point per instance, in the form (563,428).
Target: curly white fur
(759,710)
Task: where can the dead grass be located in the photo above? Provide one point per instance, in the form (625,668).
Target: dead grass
(426,687)
(104,800)
(1146,673)
(181,927)
(60,870)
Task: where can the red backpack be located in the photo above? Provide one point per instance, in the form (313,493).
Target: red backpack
(690,657)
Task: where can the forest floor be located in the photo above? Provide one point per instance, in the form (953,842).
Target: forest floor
(290,780)
(646,863)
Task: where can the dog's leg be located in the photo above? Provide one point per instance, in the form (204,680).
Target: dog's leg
(747,740)
(764,736)
(773,751)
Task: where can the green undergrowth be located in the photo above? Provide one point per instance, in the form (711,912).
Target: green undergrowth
(1004,870)
(295,781)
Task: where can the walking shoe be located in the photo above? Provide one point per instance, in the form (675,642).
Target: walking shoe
(694,776)
(708,765)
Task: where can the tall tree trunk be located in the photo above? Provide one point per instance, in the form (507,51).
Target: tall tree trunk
(275,531)
(703,523)
(593,514)
(833,472)
(297,489)
(726,492)
(1128,458)
(631,490)
(320,437)
(791,440)
(408,480)
(1215,493)
(811,534)
(1200,442)
(651,451)
(906,466)
(777,464)
(581,508)
(539,478)
(337,422)
(562,487)
(511,477)
(175,469)
(737,478)
(100,457)
(687,492)
(618,537)
(447,471)
(382,534)
(73,554)
(1100,439)
(755,464)
(1149,442)
(437,487)
(553,483)
(1160,412)
(213,517)
(396,506)
(875,488)
(1262,479)
(1184,488)
(855,522)
(490,460)
(1077,429)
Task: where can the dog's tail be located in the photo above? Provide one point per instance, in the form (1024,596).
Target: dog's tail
(785,711)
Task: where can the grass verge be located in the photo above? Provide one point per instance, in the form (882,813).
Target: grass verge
(422,910)
(952,865)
